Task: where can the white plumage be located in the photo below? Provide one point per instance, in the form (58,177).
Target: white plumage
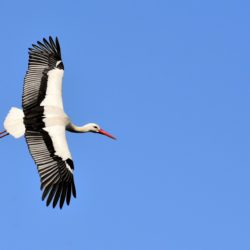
(54,91)
(44,122)
(13,122)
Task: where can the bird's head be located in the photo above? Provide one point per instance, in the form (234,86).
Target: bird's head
(95,128)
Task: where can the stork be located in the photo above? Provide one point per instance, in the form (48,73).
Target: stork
(43,122)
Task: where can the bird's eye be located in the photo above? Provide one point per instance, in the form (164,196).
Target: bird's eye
(95,127)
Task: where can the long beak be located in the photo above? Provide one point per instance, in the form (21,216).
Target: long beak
(101,131)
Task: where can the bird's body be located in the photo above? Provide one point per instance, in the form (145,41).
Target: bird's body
(43,122)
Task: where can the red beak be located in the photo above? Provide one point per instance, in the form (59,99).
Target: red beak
(101,131)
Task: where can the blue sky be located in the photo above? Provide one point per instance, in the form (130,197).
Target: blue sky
(171,80)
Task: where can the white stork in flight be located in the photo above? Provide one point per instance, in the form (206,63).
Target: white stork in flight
(43,122)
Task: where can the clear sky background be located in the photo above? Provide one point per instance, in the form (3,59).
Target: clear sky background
(171,80)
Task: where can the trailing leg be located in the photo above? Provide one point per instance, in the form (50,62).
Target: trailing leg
(1,136)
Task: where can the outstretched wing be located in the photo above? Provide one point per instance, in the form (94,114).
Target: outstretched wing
(43,80)
(45,122)
(50,152)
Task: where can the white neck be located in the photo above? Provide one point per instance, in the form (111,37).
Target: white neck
(75,129)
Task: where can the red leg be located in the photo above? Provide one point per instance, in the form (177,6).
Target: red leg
(4,135)
(3,132)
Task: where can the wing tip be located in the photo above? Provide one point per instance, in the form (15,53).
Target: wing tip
(59,193)
(49,45)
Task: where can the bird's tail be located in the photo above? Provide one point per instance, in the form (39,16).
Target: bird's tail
(13,122)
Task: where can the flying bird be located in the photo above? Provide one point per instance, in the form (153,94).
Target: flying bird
(43,122)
